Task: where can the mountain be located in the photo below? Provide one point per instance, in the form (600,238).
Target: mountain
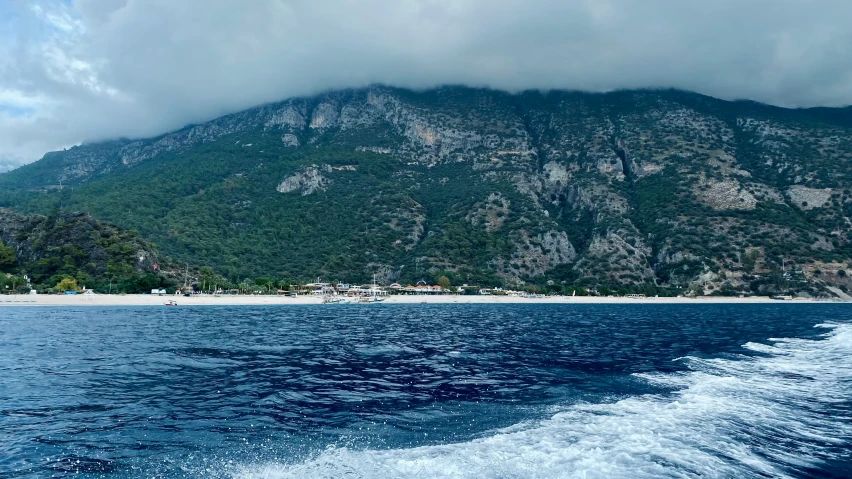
(636,189)
(48,249)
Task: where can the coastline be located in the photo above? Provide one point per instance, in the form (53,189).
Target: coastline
(258,300)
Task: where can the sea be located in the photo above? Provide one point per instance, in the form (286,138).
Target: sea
(427,391)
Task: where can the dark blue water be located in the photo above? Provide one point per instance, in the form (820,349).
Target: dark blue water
(456,391)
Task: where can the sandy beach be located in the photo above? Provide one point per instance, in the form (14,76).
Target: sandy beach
(260,300)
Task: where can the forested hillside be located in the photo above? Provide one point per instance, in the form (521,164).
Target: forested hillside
(647,190)
(71,251)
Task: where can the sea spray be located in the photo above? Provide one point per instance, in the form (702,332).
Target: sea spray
(776,414)
(426,391)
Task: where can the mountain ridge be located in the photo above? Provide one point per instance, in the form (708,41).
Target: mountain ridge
(119,145)
(559,187)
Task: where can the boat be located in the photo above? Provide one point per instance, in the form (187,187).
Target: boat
(328,299)
(373,295)
(171,302)
(370,299)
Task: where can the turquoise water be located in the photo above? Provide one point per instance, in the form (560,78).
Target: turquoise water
(425,391)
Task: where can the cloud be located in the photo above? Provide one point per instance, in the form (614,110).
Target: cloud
(85,70)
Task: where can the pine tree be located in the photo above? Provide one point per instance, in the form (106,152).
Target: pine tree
(7,257)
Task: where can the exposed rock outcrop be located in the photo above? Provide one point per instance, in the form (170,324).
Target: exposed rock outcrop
(490,213)
(809,198)
(290,140)
(307,181)
(725,195)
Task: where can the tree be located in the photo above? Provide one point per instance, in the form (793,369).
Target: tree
(67,284)
(749,259)
(7,257)
(207,278)
(444,282)
(17,282)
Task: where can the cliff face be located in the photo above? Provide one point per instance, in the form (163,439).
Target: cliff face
(666,188)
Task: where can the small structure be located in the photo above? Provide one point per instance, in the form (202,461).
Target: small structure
(423,289)
(319,289)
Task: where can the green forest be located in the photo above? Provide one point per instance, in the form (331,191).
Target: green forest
(473,185)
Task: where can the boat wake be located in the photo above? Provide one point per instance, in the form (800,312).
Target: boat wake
(781,412)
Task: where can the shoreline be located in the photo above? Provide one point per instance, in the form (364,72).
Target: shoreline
(258,300)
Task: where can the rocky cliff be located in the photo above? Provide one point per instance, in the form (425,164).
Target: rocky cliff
(660,188)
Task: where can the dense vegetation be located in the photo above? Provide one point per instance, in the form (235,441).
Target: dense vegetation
(654,192)
(65,251)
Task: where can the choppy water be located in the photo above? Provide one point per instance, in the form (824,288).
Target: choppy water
(450,391)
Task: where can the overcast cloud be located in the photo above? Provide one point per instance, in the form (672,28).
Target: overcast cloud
(77,70)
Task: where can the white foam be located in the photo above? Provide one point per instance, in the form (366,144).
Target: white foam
(741,417)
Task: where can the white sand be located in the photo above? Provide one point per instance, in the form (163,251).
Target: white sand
(254,300)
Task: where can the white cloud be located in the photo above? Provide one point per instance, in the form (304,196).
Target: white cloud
(93,69)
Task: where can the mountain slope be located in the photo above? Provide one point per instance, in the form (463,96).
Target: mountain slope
(74,245)
(659,188)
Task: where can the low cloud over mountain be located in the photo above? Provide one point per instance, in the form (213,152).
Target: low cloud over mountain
(73,71)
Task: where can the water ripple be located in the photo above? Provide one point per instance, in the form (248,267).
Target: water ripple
(248,391)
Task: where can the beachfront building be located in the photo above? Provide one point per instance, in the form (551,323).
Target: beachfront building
(319,289)
(356,290)
(375,290)
(423,289)
(361,291)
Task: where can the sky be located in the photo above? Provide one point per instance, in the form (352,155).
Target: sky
(88,70)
